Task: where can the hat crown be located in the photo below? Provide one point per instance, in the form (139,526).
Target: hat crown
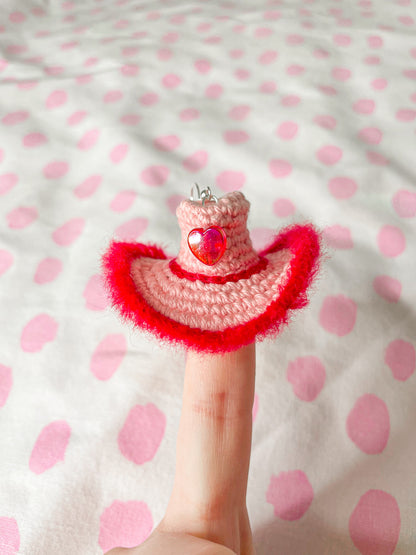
(230,213)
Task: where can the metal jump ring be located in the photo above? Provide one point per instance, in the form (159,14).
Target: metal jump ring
(203,195)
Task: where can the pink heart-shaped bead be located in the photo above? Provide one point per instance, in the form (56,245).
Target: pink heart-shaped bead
(209,245)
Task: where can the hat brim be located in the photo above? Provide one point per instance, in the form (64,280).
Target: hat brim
(293,262)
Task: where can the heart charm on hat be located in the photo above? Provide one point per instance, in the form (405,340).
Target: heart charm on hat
(208,246)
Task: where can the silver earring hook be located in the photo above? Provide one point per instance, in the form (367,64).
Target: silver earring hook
(203,195)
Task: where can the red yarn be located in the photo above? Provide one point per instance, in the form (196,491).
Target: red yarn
(302,240)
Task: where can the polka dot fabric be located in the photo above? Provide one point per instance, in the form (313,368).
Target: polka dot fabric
(109,112)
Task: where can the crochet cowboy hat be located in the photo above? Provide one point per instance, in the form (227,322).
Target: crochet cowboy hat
(218,293)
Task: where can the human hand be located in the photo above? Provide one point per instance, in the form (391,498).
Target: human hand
(207,513)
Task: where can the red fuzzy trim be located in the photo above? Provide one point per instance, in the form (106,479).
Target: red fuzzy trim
(302,240)
(245,274)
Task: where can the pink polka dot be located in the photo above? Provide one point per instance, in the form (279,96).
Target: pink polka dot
(22,216)
(76,117)
(9,533)
(171,81)
(371,135)
(280,168)
(295,70)
(263,32)
(290,100)
(321,53)
(391,241)
(142,433)
(235,136)
(166,143)
(95,294)
(272,15)
(239,112)
(406,114)
(411,73)
(27,85)
(6,382)
(149,99)
(255,407)
(268,87)
(307,376)
(404,203)
(130,51)
(108,355)
(189,114)
(202,66)
(375,42)
(406,20)
(374,524)
(113,96)
(89,139)
(69,232)
(124,524)
(56,99)
(341,73)
(241,74)
(368,424)
(213,91)
(132,229)
(196,161)
(118,153)
(130,119)
(387,287)
(329,155)
(328,90)
(6,261)
(325,121)
(122,201)
(338,237)
(88,186)
(37,332)
(283,207)
(50,446)
(55,169)
(400,356)
(155,175)
(230,180)
(364,106)
(290,493)
(130,70)
(342,187)
(294,39)
(34,139)
(17,17)
(376,158)
(173,202)
(261,236)
(164,54)
(15,117)
(47,270)
(7,182)
(287,130)
(379,84)
(338,315)
(267,57)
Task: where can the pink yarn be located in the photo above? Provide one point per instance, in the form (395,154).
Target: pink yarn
(231,214)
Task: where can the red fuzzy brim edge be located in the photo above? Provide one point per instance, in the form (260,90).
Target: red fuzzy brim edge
(304,241)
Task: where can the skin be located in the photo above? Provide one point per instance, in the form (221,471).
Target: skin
(207,512)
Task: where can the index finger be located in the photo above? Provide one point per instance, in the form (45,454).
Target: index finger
(214,437)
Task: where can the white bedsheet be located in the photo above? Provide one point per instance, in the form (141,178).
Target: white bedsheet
(109,112)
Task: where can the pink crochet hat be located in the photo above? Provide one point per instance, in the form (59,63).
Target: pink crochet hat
(218,293)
